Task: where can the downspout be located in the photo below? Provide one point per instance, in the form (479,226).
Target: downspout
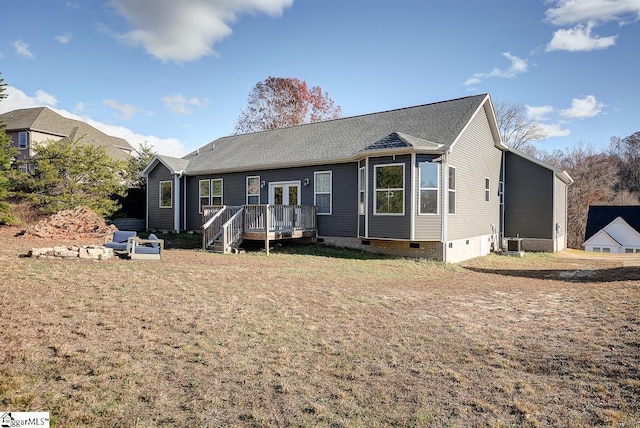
(176,209)
(184,206)
(445,205)
(366,198)
(412,234)
(146,191)
(502,198)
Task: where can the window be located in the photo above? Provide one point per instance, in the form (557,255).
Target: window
(429,188)
(361,190)
(253,190)
(452,190)
(389,185)
(216,191)
(23,140)
(322,191)
(166,194)
(204,193)
(487,186)
(628,250)
(596,249)
(606,250)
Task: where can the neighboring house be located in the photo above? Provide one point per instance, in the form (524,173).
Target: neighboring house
(613,229)
(426,181)
(27,127)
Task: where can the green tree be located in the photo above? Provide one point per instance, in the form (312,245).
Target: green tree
(7,153)
(143,156)
(285,101)
(70,174)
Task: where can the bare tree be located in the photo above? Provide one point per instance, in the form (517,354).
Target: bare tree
(517,129)
(594,177)
(627,151)
(284,101)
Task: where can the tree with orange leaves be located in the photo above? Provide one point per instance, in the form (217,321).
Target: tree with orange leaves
(278,102)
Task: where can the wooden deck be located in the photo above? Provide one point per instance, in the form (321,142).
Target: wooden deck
(225,227)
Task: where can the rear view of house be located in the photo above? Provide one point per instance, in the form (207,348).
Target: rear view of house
(425,181)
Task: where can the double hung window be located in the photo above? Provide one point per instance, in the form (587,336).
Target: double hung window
(322,191)
(166,194)
(389,189)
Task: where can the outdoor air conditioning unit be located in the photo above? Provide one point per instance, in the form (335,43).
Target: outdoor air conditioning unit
(514,245)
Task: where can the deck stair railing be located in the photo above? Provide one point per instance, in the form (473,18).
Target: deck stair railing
(214,217)
(232,231)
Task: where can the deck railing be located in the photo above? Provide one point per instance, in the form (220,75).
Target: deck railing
(279,218)
(232,230)
(213,218)
(230,223)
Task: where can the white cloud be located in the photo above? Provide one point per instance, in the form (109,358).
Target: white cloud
(568,12)
(43,97)
(554,130)
(186,30)
(180,105)
(579,38)
(125,111)
(539,112)
(17,99)
(518,66)
(64,38)
(582,108)
(22,49)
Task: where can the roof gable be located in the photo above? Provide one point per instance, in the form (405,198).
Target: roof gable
(425,127)
(174,165)
(399,140)
(600,216)
(47,121)
(560,173)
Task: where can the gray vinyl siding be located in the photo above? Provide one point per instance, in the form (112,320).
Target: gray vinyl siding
(528,199)
(561,209)
(428,227)
(159,218)
(343,220)
(390,226)
(475,157)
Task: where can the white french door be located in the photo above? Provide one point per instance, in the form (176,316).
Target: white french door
(284,193)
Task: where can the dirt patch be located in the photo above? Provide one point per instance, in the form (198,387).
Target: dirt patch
(71,225)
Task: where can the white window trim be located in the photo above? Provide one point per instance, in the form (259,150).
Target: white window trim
(330,192)
(247,194)
(221,195)
(375,189)
(200,195)
(487,189)
(160,194)
(449,190)
(437,189)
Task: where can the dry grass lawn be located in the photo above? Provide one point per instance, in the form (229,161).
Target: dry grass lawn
(328,340)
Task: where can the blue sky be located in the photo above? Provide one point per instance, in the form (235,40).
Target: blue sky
(177,73)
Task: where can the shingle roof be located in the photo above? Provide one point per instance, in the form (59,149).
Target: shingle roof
(601,216)
(47,121)
(425,127)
